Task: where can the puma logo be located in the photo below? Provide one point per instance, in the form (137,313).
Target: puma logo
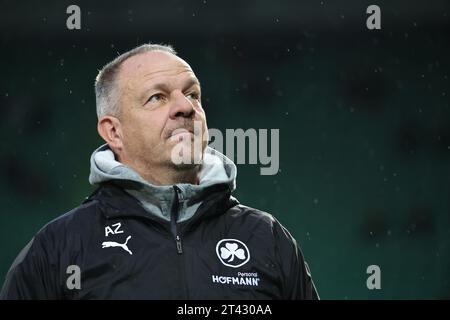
(109,244)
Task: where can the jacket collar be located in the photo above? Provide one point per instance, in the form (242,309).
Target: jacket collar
(216,172)
(115,202)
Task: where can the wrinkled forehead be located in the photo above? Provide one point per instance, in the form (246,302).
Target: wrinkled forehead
(152,65)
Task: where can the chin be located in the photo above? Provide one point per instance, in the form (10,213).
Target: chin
(185,166)
(186,156)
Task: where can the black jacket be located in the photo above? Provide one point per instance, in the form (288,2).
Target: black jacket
(225,251)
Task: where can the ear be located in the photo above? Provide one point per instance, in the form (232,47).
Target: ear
(110,130)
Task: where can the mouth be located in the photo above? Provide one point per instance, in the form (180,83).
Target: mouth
(181,131)
(181,134)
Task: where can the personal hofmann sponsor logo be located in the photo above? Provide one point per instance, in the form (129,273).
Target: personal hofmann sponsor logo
(242,279)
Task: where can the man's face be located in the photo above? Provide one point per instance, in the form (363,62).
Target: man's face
(160,100)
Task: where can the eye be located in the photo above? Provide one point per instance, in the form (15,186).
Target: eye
(157,97)
(193,95)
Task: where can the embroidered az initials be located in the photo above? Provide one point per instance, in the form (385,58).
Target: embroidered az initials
(109,230)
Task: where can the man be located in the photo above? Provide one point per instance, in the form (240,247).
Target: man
(158,228)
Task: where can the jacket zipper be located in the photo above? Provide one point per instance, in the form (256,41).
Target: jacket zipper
(174,218)
(174,227)
(179,247)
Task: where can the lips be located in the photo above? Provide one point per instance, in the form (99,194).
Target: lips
(180,133)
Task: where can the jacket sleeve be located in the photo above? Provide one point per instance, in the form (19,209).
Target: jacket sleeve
(297,280)
(31,276)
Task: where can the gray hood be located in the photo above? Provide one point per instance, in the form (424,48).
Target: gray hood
(157,200)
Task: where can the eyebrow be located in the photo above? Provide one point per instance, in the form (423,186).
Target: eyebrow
(192,82)
(163,85)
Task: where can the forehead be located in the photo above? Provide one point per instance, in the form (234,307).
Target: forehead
(151,66)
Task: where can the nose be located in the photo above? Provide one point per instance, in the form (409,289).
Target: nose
(181,107)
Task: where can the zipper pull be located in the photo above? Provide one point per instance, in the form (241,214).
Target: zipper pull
(179,248)
(179,194)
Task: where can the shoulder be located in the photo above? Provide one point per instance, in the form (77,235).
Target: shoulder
(35,271)
(243,211)
(257,218)
(76,219)
(66,230)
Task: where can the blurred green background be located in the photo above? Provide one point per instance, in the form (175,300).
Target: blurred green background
(364,121)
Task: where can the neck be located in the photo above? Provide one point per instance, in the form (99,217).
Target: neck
(171,176)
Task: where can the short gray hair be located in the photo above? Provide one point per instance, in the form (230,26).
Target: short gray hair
(106,90)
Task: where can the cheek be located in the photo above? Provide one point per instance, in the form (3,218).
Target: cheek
(143,129)
(201,116)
